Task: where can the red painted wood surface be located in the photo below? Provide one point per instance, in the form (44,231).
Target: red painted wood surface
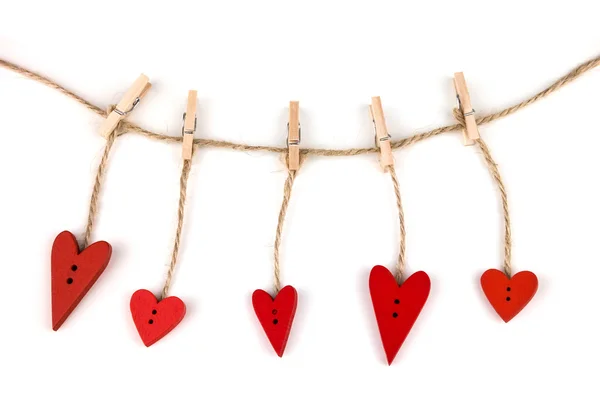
(74,273)
(507,295)
(396,307)
(276,315)
(154,319)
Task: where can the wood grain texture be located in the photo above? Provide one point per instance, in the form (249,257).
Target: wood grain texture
(471,133)
(138,89)
(276,315)
(187,148)
(74,273)
(396,307)
(154,319)
(189,125)
(508,296)
(294,136)
(381,133)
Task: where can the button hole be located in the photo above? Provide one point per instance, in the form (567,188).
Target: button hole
(69,281)
(275,321)
(151,321)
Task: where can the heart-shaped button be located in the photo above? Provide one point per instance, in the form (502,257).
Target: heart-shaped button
(74,273)
(276,315)
(507,295)
(396,306)
(154,319)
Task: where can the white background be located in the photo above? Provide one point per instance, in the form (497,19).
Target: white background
(248,59)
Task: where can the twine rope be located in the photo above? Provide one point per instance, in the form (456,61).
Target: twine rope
(93,208)
(185,173)
(126,126)
(130,127)
(400,264)
(493,168)
(287,193)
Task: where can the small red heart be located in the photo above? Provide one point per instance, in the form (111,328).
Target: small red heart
(154,319)
(507,295)
(276,315)
(396,306)
(74,273)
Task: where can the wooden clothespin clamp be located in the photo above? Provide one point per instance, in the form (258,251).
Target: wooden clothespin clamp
(294,137)
(126,105)
(189,125)
(471,133)
(382,137)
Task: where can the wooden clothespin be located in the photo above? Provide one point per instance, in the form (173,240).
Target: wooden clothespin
(294,137)
(471,133)
(189,125)
(382,137)
(126,105)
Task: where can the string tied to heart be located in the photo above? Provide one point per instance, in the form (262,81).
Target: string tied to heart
(401,262)
(287,193)
(183,180)
(102,166)
(495,173)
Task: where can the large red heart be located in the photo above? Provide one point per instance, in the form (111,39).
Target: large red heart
(74,273)
(507,295)
(154,319)
(276,315)
(396,306)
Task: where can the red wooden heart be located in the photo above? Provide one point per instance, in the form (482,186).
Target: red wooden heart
(396,306)
(276,315)
(507,295)
(74,273)
(154,319)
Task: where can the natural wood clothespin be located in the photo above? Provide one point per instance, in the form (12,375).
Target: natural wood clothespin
(294,137)
(471,133)
(382,137)
(189,125)
(126,105)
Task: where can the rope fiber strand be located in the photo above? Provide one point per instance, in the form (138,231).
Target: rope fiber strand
(493,168)
(126,126)
(402,251)
(287,193)
(185,173)
(130,127)
(93,209)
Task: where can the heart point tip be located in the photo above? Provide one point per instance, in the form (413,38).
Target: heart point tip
(56,325)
